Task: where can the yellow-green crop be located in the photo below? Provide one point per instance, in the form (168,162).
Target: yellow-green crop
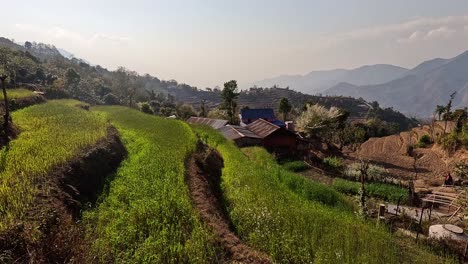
(51,134)
(17,93)
(295,220)
(147,216)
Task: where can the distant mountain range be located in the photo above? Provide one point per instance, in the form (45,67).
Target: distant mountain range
(420,89)
(412,91)
(319,81)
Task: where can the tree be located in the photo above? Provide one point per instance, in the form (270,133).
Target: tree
(363,176)
(28,45)
(6,70)
(229,96)
(285,107)
(448,110)
(72,79)
(184,111)
(145,108)
(319,121)
(111,99)
(440,109)
(203,111)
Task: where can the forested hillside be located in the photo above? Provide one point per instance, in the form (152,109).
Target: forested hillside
(42,67)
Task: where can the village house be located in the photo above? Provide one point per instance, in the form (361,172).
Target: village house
(248,116)
(214,123)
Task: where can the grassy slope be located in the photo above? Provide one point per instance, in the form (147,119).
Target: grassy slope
(147,215)
(17,93)
(295,220)
(51,134)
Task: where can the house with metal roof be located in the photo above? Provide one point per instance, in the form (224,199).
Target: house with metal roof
(248,116)
(274,137)
(214,123)
(242,136)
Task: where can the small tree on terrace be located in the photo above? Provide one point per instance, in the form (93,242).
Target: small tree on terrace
(448,110)
(440,109)
(229,96)
(285,107)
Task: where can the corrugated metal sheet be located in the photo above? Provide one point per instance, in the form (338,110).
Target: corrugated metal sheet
(262,128)
(214,123)
(235,132)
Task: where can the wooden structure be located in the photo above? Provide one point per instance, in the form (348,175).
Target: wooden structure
(446,197)
(242,136)
(274,138)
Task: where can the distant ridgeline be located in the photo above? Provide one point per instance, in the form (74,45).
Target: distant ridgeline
(359,109)
(46,68)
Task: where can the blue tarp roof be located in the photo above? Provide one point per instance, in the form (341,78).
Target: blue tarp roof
(268,114)
(264,113)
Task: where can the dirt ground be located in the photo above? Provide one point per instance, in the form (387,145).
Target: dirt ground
(203,177)
(432,163)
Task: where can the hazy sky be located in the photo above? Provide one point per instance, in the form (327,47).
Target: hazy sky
(207,42)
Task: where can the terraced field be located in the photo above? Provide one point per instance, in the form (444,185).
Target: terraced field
(147,215)
(51,134)
(298,221)
(17,93)
(391,152)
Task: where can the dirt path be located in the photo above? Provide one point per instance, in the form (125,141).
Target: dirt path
(203,177)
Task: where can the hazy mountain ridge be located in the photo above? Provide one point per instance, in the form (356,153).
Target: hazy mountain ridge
(319,81)
(420,90)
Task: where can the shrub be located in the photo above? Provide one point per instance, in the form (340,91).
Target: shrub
(333,163)
(424,141)
(383,191)
(461,169)
(295,166)
(409,150)
(53,93)
(145,108)
(111,99)
(450,142)
(375,172)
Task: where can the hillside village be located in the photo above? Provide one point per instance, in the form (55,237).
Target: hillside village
(101,166)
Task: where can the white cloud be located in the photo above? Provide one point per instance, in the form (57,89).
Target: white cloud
(442,32)
(417,29)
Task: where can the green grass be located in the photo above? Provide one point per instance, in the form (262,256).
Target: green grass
(17,93)
(51,134)
(294,220)
(295,166)
(147,216)
(383,191)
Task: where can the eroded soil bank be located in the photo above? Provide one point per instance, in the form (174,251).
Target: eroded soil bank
(204,177)
(49,233)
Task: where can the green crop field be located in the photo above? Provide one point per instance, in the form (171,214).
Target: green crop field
(147,216)
(383,191)
(51,134)
(297,221)
(17,93)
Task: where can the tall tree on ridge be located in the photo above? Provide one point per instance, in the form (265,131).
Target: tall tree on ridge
(285,107)
(229,96)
